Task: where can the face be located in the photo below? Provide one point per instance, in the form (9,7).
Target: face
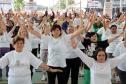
(94,38)
(107,21)
(46,29)
(101,57)
(23,33)
(56,33)
(19,46)
(113,30)
(70,30)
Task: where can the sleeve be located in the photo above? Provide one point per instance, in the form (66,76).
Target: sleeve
(115,61)
(87,60)
(117,50)
(67,37)
(34,61)
(100,31)
(4,61)
(8,37)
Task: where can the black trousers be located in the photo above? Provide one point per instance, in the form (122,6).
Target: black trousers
(73,67)
(34,52)
(122,76)
(52,76)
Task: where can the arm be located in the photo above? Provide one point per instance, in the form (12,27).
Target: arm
(4,61)
(3,26)
(49,69)
(81,28)
(90,23)
(112,39)
(16,20)
(115,61)
(37,63)
(73,43)
(32,31)
(87,60)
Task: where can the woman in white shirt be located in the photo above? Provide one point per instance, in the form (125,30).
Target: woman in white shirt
(44,46)
(19,62)
(100,66)
(72,60)
(4,44)
(57,49)
(120,49)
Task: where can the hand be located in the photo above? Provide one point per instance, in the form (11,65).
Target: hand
(3,26)
(54,70)
(15,18)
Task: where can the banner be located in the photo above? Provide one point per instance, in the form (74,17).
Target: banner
(6,5)
(94,4)
(108,8)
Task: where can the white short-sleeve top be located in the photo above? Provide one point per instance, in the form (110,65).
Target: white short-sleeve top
(4,42)
(120,49)
(57,50)
(19,63)
(28,44)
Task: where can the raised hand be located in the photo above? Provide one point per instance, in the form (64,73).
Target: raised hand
(15,19)
(3,26)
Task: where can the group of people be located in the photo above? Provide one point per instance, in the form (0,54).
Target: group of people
(66,41)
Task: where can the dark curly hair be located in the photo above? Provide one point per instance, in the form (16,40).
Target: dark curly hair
(97,51)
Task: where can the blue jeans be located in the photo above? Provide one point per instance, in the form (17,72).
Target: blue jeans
(2,52)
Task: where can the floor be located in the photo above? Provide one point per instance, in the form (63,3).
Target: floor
(37,78)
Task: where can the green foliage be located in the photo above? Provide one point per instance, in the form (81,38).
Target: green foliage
(70,2)
(63,3)
(19,4)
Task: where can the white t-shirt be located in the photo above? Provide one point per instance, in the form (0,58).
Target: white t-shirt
(28,45)
(104,33)
(79,43)
(34,41)
(19,65)
(76,21)
(57,50)
(4,41)
(120,49)
(112,45)
(70,51)
(100,72)
(44,41)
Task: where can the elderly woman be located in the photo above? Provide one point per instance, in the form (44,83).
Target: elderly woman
(19,62)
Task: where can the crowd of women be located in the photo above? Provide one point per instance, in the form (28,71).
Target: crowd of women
(65,41)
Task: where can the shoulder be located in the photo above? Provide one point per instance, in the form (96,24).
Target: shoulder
(10,52)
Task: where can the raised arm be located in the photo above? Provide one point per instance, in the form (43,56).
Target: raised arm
(80,30)
(91,21)
(16,20)
(115,61)
(87,60)
(112,39)
(32,31)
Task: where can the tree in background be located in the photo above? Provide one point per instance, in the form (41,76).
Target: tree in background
(63,3)
(19,4)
